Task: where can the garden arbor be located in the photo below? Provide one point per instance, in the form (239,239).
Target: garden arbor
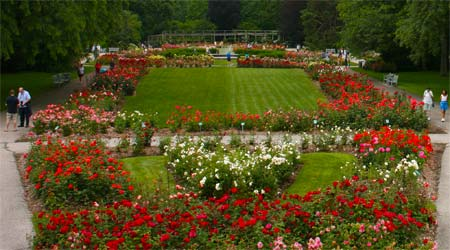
(215,35)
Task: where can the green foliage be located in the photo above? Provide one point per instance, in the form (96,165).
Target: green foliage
(423,27)
(127,31)
(320,24)
(263,14)
(225,14)
(50,35)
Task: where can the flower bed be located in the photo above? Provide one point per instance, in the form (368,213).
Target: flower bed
(267,62)
(350,214)
(74,173)
(83,120)
(211,169)
(180,61)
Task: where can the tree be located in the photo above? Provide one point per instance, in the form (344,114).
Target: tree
(153,14)
(289,20)
(320,24)
(224,14)
(50,35)
(262,14)
(371,25)
(424,28)
(128,30)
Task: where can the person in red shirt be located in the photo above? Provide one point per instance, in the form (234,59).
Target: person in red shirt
(98,66)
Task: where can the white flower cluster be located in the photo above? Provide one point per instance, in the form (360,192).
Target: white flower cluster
(220,168)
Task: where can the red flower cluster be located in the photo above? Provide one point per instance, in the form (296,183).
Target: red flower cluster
(75,172)
(186,117)
(187,221)
(397,142)
(267,62)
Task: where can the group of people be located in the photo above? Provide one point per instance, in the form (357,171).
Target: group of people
(428,102)
(18,104)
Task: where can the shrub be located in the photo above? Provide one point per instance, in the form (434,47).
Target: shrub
(75,173)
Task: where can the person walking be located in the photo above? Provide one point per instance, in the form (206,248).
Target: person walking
(80,72)
(428,101)
(444,104)
(24,107)
(11,110)
(98,66)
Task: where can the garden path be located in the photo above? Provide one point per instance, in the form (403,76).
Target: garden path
(15,218)
(16,228)
(443,201)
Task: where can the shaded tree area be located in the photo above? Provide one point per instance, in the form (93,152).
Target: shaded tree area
(290,29)
(50,35)
(424,28)
(371,25)
(320,21)
(260,15)
(224,14)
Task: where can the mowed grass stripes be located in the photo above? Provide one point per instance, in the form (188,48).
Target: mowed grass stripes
(223,89)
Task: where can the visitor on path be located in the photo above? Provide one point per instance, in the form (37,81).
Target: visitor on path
(11,110)
(112,65)
(229,58)
(98,66)
(298,47)
(24,107)
(428,101)
(81,72)
(444,104)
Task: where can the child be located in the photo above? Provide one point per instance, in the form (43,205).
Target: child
(428,101)
(444,104)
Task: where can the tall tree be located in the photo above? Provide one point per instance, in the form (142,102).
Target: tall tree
(424,28)
(49,35)
(371,25)
(289,20)
(128,30)
(225,14)
(153,14)
(321,24)
(262,14)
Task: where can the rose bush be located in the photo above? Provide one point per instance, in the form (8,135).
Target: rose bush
(213,170)
(75,172)
(350,214)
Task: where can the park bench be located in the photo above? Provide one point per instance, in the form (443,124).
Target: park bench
(391,79)
(61,79)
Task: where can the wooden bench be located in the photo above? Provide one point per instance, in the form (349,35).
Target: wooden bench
(60,79)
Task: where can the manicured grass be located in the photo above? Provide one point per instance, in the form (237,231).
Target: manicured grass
(415,82)
(224,89)
(149,173)
(319,170)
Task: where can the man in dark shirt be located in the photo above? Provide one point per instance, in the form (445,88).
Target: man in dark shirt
(11,110)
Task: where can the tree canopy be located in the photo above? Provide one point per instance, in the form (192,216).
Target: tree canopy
(51,34)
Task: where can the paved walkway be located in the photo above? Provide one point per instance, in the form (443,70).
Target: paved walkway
(16,228)
(15,218)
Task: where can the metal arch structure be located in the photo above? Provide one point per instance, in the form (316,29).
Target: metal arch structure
(215,35)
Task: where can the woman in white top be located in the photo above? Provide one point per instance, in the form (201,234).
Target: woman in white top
(444,104)
(428,101)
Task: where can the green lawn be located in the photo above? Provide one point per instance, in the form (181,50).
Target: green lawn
(149,172)
(223,89)
(319,170)
(415,82)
